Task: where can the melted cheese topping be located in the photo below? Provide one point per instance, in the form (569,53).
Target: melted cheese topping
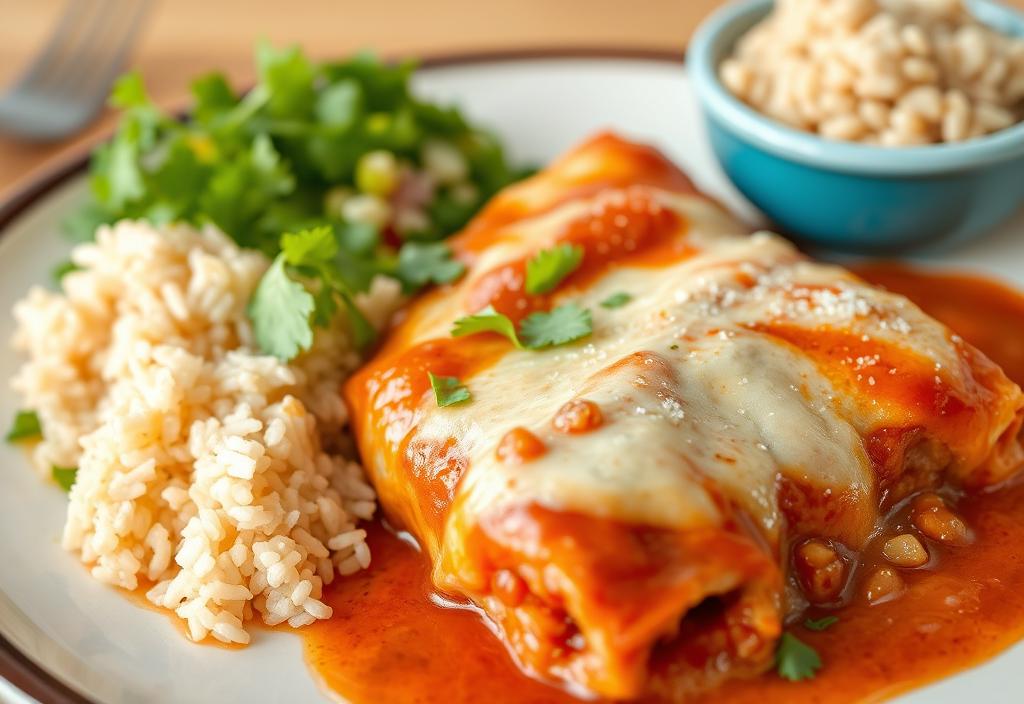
(703,400)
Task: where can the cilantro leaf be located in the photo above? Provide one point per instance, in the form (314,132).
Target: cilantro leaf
(64,476)
(288,76)
(548,267)
(118,181)
(487,320)
(820,624)
(25,426)
(386,85)
(280,311)
(315,247)
(117,178)
(448,390)
(239,192)
(179,172)
(129,92)
(312,254)
(420,263)
(795,660)
(616,300)
(62,269)
(562,325)
(213,97)
(340,104)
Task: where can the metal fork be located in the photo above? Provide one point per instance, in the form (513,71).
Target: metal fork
(68,82)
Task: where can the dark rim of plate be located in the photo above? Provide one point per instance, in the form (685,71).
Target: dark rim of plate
(16,667)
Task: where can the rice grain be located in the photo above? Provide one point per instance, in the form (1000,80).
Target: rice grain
(218,479)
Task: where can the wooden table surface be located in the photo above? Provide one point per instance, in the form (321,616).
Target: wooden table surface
(184,38)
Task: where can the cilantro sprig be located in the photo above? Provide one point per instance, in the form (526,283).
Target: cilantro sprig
(280,311)
(566,323)
(448,390)
(795,660)
(422,263)
(561,326)
(303,289)
(487,320)
(549,267)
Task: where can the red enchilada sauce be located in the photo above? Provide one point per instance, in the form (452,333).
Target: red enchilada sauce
(624,229)
(389,642)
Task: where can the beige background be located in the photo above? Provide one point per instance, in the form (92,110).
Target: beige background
(187,37)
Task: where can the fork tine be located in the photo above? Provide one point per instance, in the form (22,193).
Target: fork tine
(55,49)
(67,84)
(94,90)
(87,47)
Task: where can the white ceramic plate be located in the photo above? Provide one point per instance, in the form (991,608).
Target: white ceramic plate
(87,638)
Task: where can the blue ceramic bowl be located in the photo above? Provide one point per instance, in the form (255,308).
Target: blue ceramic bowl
(845,195)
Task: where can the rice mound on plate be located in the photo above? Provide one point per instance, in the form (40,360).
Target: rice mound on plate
(220,480)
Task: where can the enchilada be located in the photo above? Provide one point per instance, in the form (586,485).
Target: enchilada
(644,507)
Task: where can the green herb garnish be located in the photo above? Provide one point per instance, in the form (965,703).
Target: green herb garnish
(548,267)
(291,155)
(280,311)
(795,660)
(820,624)
(420,263)
(64,476)
(562,325)
(616,300)
(487,320)
(284,310)
(61,270)
(448,390)
(25,426)
(312,248)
